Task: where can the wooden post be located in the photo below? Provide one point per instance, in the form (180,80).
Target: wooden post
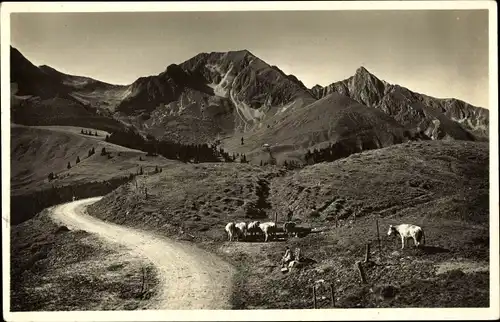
(361,272)
(332,291)
(314,295)
(378,238)
(276,217)
(143,281)
(367,254)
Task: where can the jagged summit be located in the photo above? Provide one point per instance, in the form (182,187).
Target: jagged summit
(362,70)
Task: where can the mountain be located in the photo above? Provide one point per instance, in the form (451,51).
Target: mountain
(45,96)
(446,118)
(232,95)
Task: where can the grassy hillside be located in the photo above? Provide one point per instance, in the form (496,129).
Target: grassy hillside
(442,186)
(38,151)
(333,118)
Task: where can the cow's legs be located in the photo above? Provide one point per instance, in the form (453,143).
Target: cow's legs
(416,242)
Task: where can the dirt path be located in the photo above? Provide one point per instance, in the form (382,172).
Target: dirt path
(190,278)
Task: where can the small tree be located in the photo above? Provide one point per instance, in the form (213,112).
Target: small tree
(51,176)
(140,171)
(103,151)
(90,153)
(156,169)
(82,132)
(261,163)
(107,138)
(69,165)
(95,133)
(77,159)
(241,140)
(93,150)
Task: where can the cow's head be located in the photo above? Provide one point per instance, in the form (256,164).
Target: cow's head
(391,230)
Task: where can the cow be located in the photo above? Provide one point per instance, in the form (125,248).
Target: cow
(253,228)
(289,228)
(242,230)
(231,230)
(269,229)
(406,231)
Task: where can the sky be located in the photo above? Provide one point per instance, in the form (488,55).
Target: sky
(440,53)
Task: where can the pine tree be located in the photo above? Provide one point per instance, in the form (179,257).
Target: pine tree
(69,165)
(241,140)
(261,163)
(51,176)
(77,159)
(95,133)
(103,151)
(82,132)
(156,169)
(107,138)
(141,172)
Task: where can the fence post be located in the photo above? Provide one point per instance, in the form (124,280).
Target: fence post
(332,291)
(314,295)
(361,272)
(378,238)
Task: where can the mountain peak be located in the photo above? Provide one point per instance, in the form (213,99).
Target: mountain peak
(363,71)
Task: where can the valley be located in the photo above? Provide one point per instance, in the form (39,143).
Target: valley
(166,156)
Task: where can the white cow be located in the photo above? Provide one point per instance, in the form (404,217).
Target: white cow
(231,230)
(242,230)
(406,231)
(269,229)
(253,228)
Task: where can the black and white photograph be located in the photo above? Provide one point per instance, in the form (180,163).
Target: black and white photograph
(249,160)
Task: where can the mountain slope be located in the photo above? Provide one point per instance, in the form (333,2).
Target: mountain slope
(333,119)
(45,96)
(235,85)
(456,118)
(231,95)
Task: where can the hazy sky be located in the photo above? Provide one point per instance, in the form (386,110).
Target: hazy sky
(440,53)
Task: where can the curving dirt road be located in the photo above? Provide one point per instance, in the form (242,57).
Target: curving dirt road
(190,277)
